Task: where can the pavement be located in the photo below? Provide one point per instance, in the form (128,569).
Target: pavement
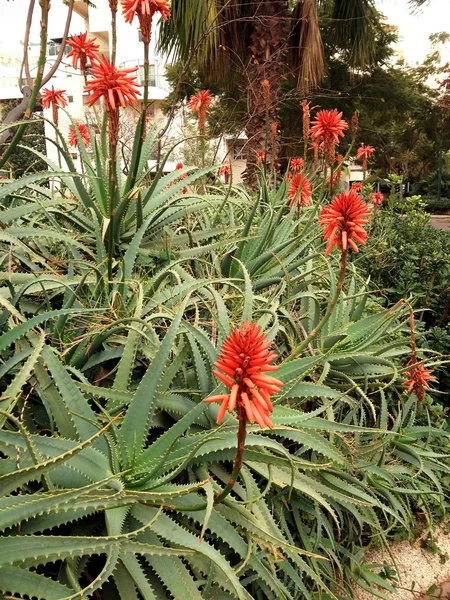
(440,222)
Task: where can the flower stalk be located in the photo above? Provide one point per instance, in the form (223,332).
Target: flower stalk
(238,459)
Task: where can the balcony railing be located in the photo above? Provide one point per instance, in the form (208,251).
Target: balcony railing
(156,78)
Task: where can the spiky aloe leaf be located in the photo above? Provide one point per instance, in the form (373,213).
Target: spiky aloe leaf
(142,407)
(16,580)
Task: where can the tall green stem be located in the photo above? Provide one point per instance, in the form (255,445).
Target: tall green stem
(331,305)
(238,459)
(146,68)
(45,5)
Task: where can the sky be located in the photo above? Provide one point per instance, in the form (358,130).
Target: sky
(414,28)
(417,27)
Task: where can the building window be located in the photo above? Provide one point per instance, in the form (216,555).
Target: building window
(70,98)
(238,150)
(151,75)
(53,49)
(140,35)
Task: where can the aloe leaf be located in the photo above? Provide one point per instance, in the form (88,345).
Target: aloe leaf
(12,481)
(17,332)
(137,575)
(26,583)
(14,389)
(142,407)
(167,529)
(82,415)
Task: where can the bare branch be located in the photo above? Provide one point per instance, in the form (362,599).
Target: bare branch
(59,58)
(25,63)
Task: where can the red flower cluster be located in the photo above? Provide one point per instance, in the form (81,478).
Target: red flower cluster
(144,10)
(328,127)
(300,190)
(200,103)
(225,169)
(296,164)
(377,198)
(83,50)
(418,378)
(115,85)
(131,8)
(357,187)
(84,133)
(52,97)
(243,359)
(343,221)
(365,152)
(260,157)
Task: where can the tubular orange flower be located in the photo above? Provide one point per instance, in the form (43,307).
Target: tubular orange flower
(355,124)
(296,164)
(274,130)
(84,133)
(418,378)
(260,158)
(343,221)
(131,8)
(364,153)
(306,119)
(377,198)
(328,127)
(116,86)
(266,89)
(225,169)
(145,10)
(243,359)
(357,187)
(83,50)
(52,97)
(178,167)
(336,178)
(338,160)
(300,190)
(315,147)
(200,103)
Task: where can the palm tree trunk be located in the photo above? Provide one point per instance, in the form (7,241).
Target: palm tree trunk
(269,26)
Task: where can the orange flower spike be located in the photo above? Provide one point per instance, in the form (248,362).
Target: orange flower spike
(300,190)
(225,169)
(52,97)
(200,104)
(260,157)
(116,86)
(84,133)
(297,164)
(418,378)
(131,8)
(328,127)
(244,357)
(377,198)
(343,221)
(83,50)
(357,187)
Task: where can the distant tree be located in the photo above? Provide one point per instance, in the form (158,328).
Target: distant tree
(241,44)
(399,114)
(23,161)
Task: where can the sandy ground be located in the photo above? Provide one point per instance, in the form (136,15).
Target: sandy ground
(440,222)
(416,565)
